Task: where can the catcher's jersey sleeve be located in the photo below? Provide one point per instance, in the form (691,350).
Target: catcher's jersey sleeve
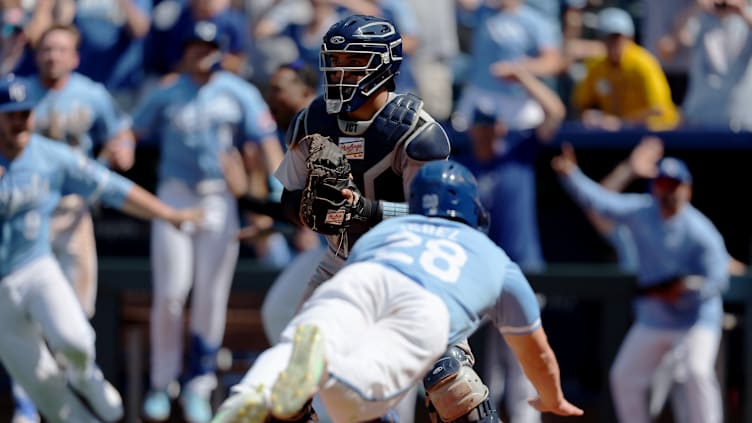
(292,172)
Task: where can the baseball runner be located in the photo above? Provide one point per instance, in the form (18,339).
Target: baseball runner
(47,344)
(80,112)
(196,118)
(73,109)
(413,286)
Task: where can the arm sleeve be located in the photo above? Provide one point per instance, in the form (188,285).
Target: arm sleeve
(110,119)
(590,195)
(91,180)
(292,170)
(517,311)
(258,123)
(146,116)
(715,259)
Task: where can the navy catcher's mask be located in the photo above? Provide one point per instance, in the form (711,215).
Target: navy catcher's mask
(359,55)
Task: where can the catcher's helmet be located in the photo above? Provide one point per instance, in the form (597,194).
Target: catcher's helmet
(381,46)
(447,189)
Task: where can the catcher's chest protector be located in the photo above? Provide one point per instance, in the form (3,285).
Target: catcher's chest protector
(396,121)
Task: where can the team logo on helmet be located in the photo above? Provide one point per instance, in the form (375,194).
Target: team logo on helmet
(337,39)
(430,201)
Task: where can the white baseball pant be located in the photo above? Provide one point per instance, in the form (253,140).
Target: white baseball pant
(38,308)
(204,261)
(694,349)
(74,245)
(382,333)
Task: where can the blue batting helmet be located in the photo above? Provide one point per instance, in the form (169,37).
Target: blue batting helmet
(378,41)
(447,189)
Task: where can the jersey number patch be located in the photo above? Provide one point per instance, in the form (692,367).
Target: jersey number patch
(440,258)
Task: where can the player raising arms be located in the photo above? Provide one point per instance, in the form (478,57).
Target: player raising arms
(40,317)
(412,286)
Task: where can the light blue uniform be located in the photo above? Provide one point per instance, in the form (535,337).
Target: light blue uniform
(34,293)
(509,37)
(411,287)
(84,109)
(31,187)
(505,36)
(687,244)
(193,124)
(474,278)
(681,337)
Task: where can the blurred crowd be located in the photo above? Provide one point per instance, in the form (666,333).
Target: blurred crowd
(615,64)
(674,62)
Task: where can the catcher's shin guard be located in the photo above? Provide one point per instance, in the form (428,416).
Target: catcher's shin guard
(455,392)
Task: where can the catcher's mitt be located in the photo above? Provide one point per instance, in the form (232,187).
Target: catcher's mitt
(323,207)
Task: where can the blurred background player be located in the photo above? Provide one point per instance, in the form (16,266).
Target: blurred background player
(43,322)
(364,337)
(81,113)
(683,269)
(197,118)
(112,40)
(504,162)
(507,33)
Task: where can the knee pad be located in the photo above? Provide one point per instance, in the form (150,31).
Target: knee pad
(453,388)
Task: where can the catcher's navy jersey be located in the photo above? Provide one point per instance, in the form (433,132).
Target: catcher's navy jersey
(461,265)
(31,186)
(376,149)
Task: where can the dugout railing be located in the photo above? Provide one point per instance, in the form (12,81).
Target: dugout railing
(125,286)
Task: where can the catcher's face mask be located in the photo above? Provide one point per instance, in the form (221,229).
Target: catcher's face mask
(359,55)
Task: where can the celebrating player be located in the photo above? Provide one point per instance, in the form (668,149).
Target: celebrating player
(196,118)
(683,268)
(42,320)
(413,285)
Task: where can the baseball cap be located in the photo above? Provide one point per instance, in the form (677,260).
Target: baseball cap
(204,31)
(612,20)
(14,95)
(673,168)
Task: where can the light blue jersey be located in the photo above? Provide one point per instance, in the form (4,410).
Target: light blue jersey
(686,244)
(82,113)
(194,123)
(510,37)
(475,278)
(31,186)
